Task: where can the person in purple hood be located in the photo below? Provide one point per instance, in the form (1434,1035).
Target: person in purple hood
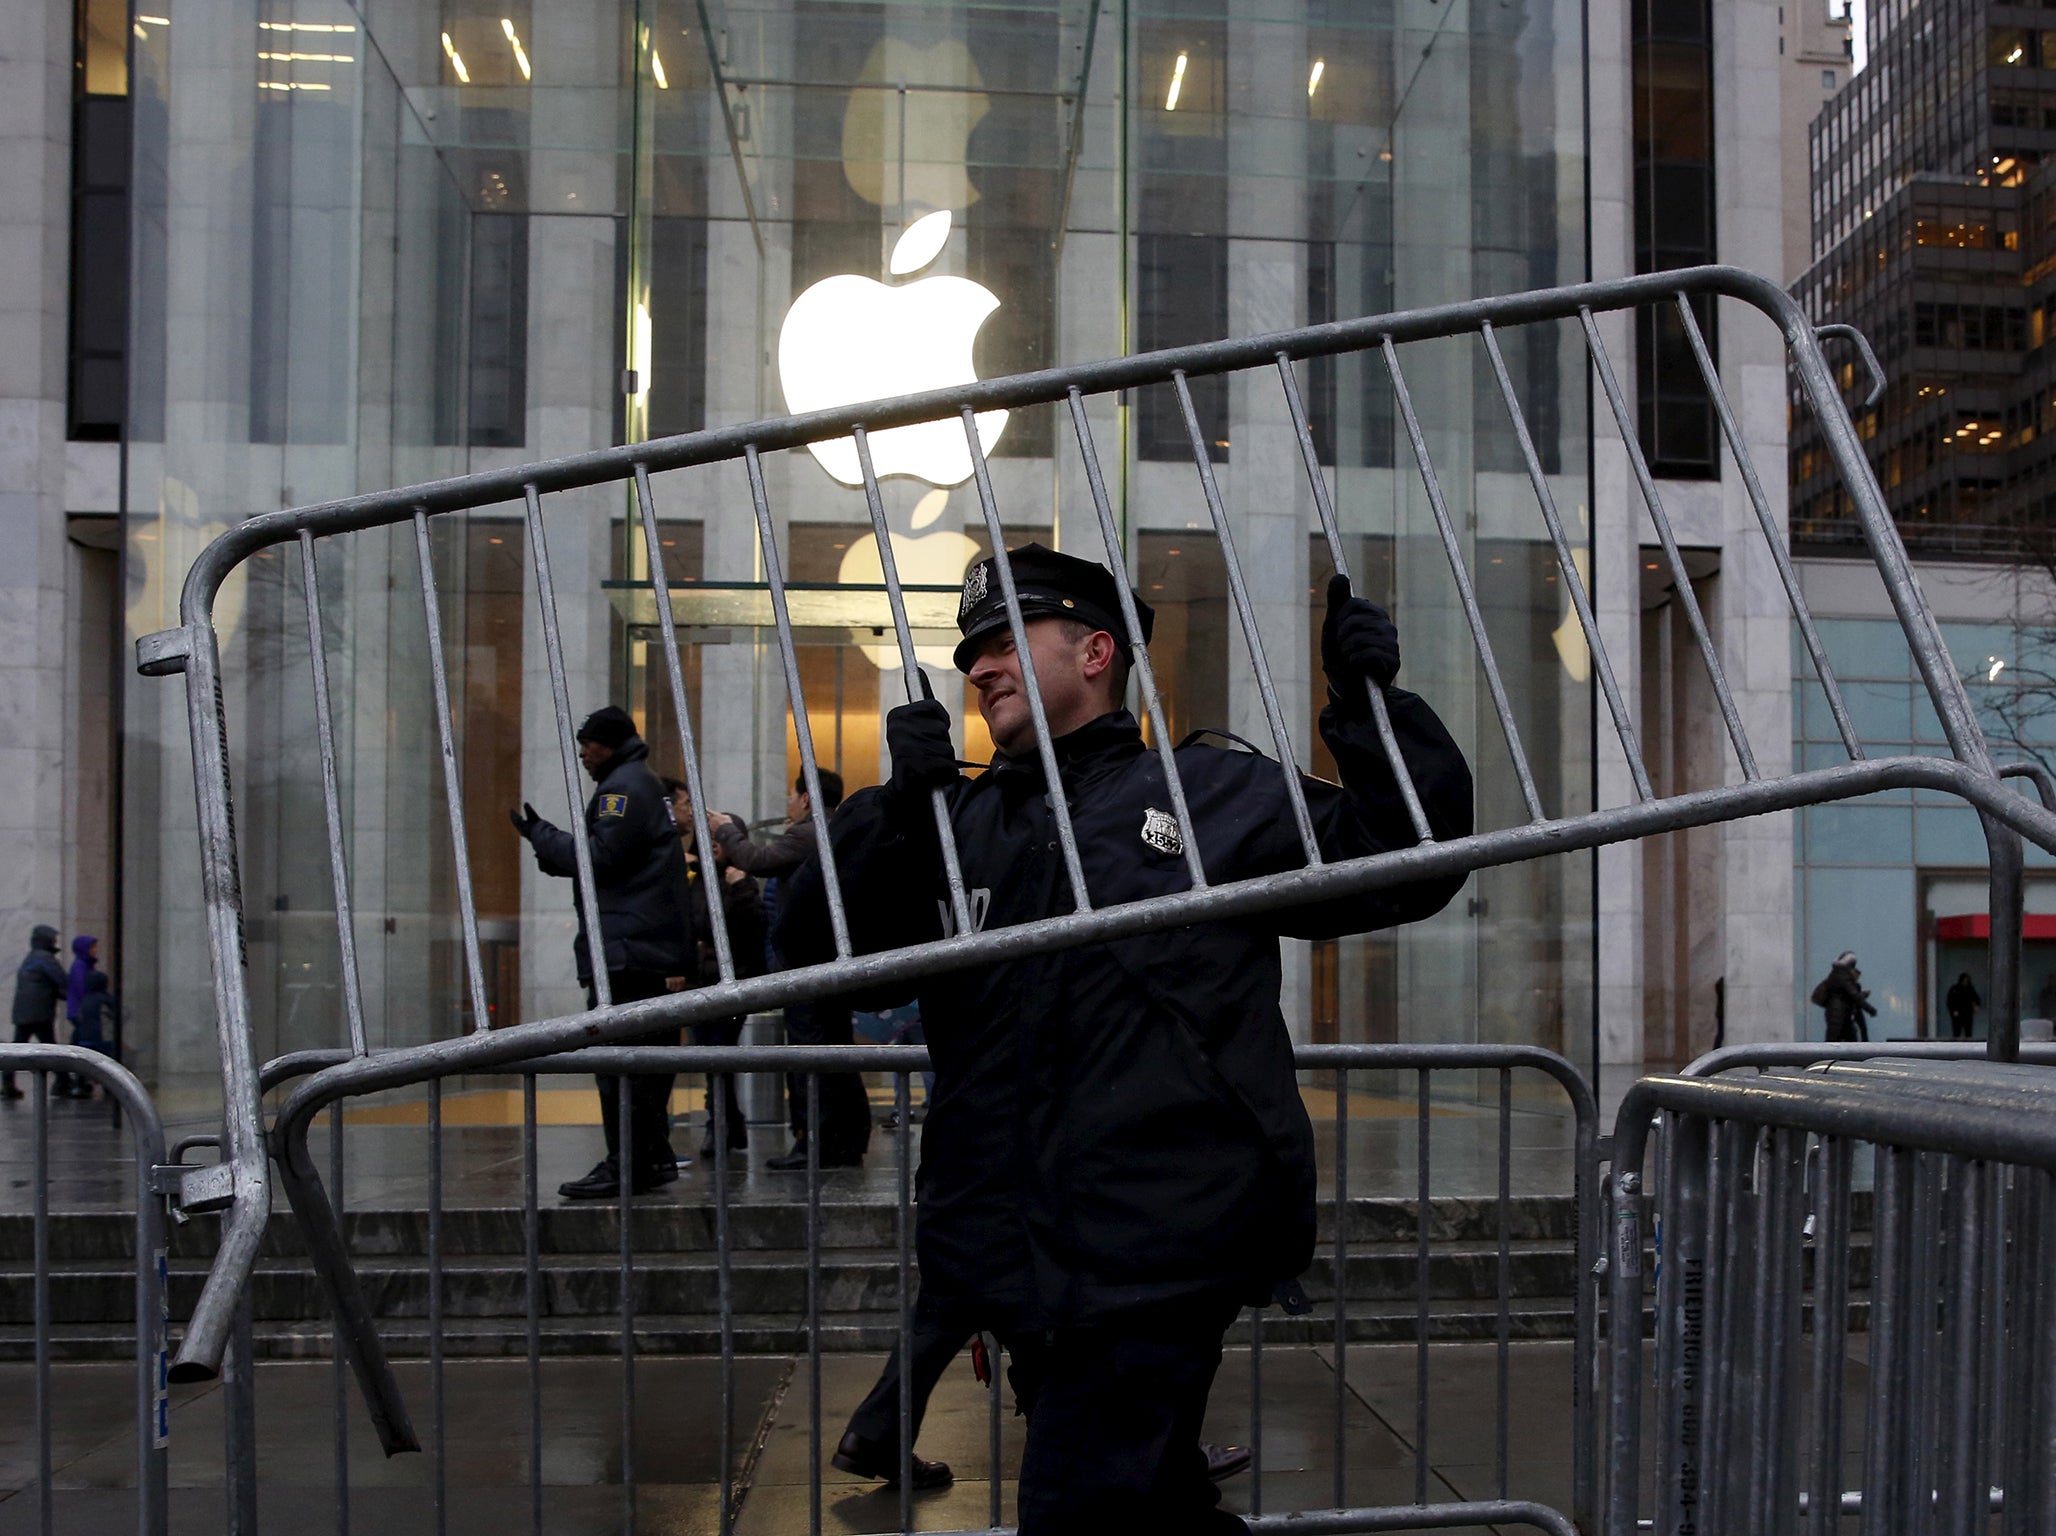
(85,964)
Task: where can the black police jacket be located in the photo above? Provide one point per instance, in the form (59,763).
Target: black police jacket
(1120,1123)
(638,870)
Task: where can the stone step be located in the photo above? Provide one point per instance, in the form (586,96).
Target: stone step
(770,1281)
(684,1223)
(757,1333)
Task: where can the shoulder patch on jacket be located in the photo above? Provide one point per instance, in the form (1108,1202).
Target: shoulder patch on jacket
(613,805)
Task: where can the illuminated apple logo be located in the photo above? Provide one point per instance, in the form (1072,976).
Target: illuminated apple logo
(937,559)
(848,339)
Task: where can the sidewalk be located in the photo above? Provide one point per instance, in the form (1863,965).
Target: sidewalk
(678,1439)
(386,1150)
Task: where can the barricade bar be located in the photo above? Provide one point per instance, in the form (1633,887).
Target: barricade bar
(453,783)
(1245,611)
(331,797)
(1324,508)
(1681,578)
(567,747)
(1131,625)
(1567,566)
(1773,534)
(913,679)
(688,749)
(803,726)
(1480,641)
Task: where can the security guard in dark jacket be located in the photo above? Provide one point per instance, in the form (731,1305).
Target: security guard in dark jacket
(639,884)
(1116,1158)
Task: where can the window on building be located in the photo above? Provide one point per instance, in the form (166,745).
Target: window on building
(1674,227)
(1181,298)
(96,383)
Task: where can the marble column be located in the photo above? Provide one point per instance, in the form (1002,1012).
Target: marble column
(1756,625)
(35,209)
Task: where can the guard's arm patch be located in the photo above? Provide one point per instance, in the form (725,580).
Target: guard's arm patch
(613,805)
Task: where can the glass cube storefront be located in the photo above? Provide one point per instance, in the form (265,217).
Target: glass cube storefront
(378,246)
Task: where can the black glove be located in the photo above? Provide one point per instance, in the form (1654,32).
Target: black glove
(1358,640)
(923,757)
(524,819)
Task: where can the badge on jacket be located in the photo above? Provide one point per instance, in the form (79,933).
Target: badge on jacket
(613,805)
(1160,831)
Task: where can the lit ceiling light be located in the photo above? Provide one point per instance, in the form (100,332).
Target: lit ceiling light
(287,26)
(456,59)
(308,58)
(1177,84)
(290,85)
(1313,79)
(657,70)
(2014,57)
(520,54)
(1998,666)
(154,21)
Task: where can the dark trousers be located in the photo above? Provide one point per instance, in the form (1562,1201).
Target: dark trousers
(47,1033)
(649,1093)
(845,1111)
(1114,1417)
(1959,1026)
(941,1331)
(723,1032)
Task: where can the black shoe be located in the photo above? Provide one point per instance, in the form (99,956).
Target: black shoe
(861,1458)
(842,1160)
(736,1143)
(1224,1461)
(794,1161)
(603,1183)
(654,1177)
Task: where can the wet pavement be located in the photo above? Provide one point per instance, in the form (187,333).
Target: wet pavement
(90,1158)
(485,1468)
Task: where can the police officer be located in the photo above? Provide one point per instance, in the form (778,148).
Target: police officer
(639,882)
(1116,1158)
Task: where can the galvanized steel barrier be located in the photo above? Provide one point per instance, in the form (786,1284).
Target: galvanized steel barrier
(152,1405)
(1756,1204)
(193,649)
(308,1103)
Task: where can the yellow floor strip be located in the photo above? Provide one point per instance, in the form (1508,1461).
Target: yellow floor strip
(581,1106)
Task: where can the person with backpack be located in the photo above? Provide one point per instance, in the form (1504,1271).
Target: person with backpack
(1842,997)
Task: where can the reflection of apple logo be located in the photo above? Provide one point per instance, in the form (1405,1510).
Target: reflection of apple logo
(850,338)
(938,559)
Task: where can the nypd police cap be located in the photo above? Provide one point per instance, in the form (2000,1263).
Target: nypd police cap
(1050,585)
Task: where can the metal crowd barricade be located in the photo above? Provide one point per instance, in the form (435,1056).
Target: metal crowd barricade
(194,650)
(152,1310)
(308,1100)
(1751,1427)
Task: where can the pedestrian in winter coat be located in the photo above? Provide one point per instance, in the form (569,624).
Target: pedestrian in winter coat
(85,960)
(1841,996)
(1963,1004)
(1117,1157)
(39,985)
(95,1027)
(639,886)
(845,1112)
(742,910)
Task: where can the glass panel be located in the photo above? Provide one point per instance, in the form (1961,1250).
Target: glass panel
(483,234)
